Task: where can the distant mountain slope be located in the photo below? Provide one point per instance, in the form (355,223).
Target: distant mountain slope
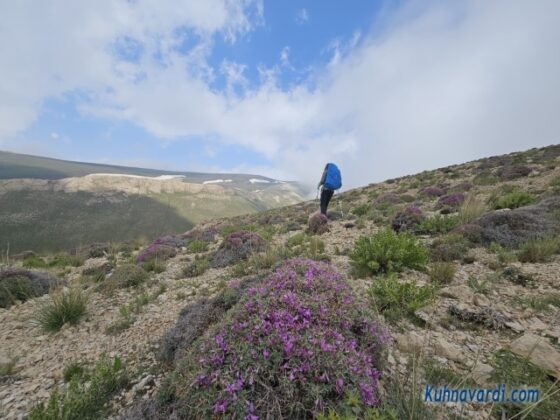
(53,204)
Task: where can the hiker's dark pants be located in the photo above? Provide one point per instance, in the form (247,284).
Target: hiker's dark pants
(326,196)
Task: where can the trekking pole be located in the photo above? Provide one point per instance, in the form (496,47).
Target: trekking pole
(339,208)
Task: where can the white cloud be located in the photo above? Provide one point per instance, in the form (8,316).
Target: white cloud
(302,16)
(54,135)
(285,56)
(434,83)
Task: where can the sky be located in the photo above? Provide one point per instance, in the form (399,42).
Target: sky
(278,88)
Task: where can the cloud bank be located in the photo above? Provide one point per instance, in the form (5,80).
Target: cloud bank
(432,83)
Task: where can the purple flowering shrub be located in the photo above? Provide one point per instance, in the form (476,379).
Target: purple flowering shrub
(432,191)
(451,201)
(317,224)
(161,249)
(236,247)
(408,219)
(292,347)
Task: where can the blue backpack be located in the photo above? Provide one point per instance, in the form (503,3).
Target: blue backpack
(333,180)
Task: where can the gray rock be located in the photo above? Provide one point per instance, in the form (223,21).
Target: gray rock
(462,293)
(538,351)
(482,373)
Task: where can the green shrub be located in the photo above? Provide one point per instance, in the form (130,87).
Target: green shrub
(512,200)
(64,307)
(397,299)
(442,272)
(7,367)
(540,303)
(471,209)
(438,224)
(449,248)
(65,260)
(34,261)
(268,258)
(15,288)
(196,268)
(74,370)
(514,371)
(153,266)
(479,286)
(85,401)
(388,251)
(485,178)
(127,275)
(555,183)
(197,246)
(361,210)
(539,250)
(297,239)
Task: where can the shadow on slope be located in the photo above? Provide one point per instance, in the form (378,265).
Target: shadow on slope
(51,221)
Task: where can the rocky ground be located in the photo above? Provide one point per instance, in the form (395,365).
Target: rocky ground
(489,304)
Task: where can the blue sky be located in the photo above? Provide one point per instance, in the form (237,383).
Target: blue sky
(384,88)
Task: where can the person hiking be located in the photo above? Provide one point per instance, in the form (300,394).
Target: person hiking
(330,181)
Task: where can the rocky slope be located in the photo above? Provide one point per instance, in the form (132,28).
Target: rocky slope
(495,310)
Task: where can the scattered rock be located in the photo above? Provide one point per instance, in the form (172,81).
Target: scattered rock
(539,351)
(448,350)
(482,374)
(462,293)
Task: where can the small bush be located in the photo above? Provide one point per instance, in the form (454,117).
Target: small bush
(485,178)
(85,401)
(388,251)
(437,224)
(449,248)
(156,251)
(442,272)
(318,224)
(197,247)
(396,299)
(471,209)
(472,232)
(20,284)
(479,286)
(196,268)
(513,228)
(296,240)
(74,370)
(270,340)
(65,260)
(127,275)
(408,220)
(508,173)
(540,303)
(153,266)
(432,191)
(34,261)
(513,200)
(64,307)
(451,202)
(7,366)
(237,246)
(361,210)
(555,183)
(539,250)
(513,371)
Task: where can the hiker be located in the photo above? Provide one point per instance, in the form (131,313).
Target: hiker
(330,181)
